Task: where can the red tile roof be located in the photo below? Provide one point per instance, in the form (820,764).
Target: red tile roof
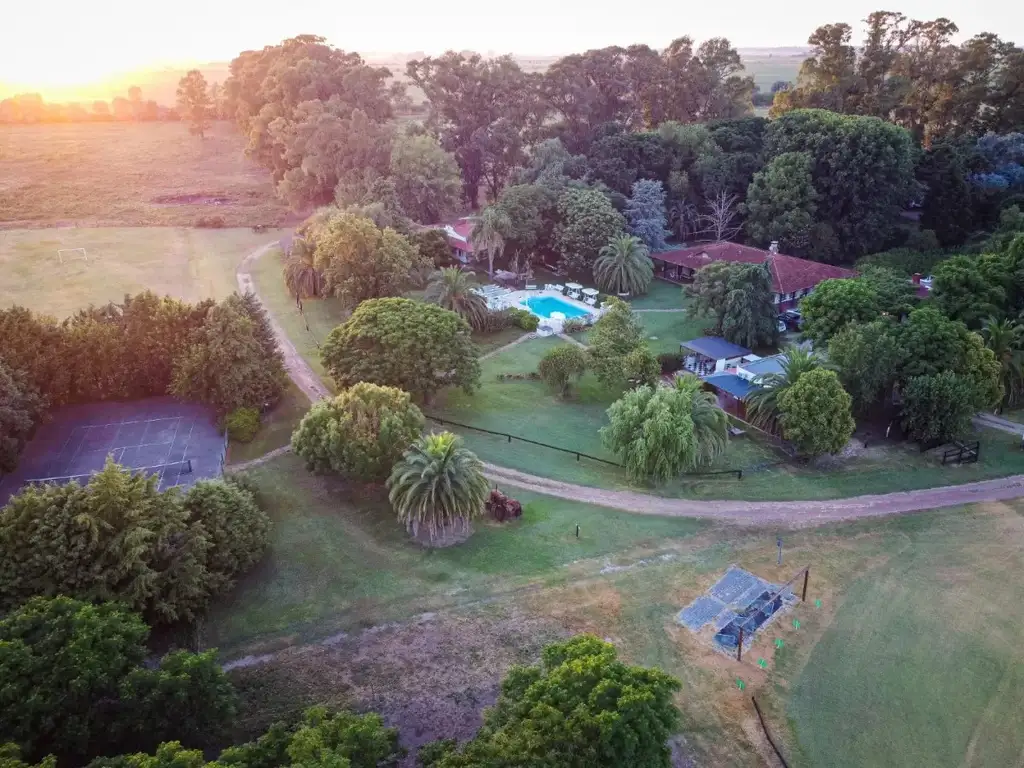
(462,228)
(789,274)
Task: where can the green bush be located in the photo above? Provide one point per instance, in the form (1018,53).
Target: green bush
(562,365)
(496,320)
(361,433)
(521,318)
(670,362)
(242,424)
(640,367)
(574,325)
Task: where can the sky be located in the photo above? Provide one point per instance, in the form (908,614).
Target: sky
(68,42)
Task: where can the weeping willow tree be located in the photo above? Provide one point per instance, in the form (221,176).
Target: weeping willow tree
(624,266)
(710,423)
(303,279)
(437,488)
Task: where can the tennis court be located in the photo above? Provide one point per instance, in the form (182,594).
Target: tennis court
(179,442)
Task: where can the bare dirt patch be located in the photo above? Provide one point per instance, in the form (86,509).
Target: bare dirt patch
(192,199)
(430,678)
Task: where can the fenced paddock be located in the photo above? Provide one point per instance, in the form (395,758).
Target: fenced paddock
(178,442)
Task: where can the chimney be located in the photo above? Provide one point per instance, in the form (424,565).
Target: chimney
(916,278)
(774,247)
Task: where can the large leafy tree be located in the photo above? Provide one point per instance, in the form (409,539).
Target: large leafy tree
(863,172)
(194,102)
(651,430)
(835,304)
(1006,340)
(232,361)
(437,487)
(867,358)
(21,407)
(580,708)
(562,365)
(615,335)
(710,289)
(473,104)
(301,276)
(938,407)
(749,316)
(782,203)
(532,210)
(454,288)
(587,222)
(426,177)
(645,212)
(763,403)
(815,413)
(402,343)
(360,433)
(950,198)
(624,266)
(75,685)
(971,289)
(359,261)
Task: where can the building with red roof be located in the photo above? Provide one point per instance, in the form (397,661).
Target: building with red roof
(458,238)
(792,278)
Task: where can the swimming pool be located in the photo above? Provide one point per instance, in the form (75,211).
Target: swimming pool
(543,306)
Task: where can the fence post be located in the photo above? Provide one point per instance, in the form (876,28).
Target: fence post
(510,438)
(807,573)
(577,457)
(739,646)
(739,474)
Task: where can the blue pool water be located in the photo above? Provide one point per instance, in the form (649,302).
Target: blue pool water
(543,306)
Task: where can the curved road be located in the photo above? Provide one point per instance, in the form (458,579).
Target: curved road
(789,513)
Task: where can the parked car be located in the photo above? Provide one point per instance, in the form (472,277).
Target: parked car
(793,319)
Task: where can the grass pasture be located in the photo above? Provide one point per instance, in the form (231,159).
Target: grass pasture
(190,264)
(130,174)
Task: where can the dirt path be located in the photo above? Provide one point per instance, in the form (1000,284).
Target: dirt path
(788,513)
(991,421)
(298,369)
(520,340)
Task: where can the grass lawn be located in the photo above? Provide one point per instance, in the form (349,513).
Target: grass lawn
(661,295)
(923,663)
(528,409)
(664,330)
(340,560)
(131,174)
(191,264)
(276,428)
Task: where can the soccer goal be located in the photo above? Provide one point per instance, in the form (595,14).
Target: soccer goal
(71,254)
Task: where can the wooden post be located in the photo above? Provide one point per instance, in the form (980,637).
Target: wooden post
(739,646)
(807,573)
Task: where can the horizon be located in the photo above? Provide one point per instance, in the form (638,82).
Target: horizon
(81,52)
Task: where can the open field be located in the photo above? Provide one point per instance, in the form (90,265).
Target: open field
(130,174)
(191,264)
(910,659)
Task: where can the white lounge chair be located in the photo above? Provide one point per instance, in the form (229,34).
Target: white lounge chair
(530,287)
(591,300)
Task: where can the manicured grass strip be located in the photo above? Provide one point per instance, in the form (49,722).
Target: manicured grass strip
(275,429)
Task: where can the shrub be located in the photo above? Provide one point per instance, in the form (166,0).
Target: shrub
(640,367)
(938,408)
(521,318)
(574,325)
(561,365)
(361,433)
(242,424)
(210,222)
(496,320)
(502,508)
(815,413)
(670,362)
(236,529)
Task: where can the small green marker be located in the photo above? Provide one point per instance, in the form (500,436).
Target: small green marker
(740,684)
(762,663)
(817,603)
(778,642)
(796,623)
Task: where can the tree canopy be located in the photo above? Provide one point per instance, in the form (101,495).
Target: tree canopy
(416,347)
(587,222)
(815,413)
(835,304)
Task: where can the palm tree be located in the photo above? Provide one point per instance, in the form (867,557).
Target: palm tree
(452,288)
(1006,338)
(710,423)
(763,403)
(437,485)
(624,266)
(302,278)
(490,229)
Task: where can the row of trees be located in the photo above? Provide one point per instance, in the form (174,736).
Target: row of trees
(221,354)
(32,108)
(912,73)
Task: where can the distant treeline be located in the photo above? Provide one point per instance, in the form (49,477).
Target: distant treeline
(31,108)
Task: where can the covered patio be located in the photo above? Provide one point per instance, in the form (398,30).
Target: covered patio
(711,354)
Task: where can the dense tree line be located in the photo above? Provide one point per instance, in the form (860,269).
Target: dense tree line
(911,72)
(223,355)
(32,108)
